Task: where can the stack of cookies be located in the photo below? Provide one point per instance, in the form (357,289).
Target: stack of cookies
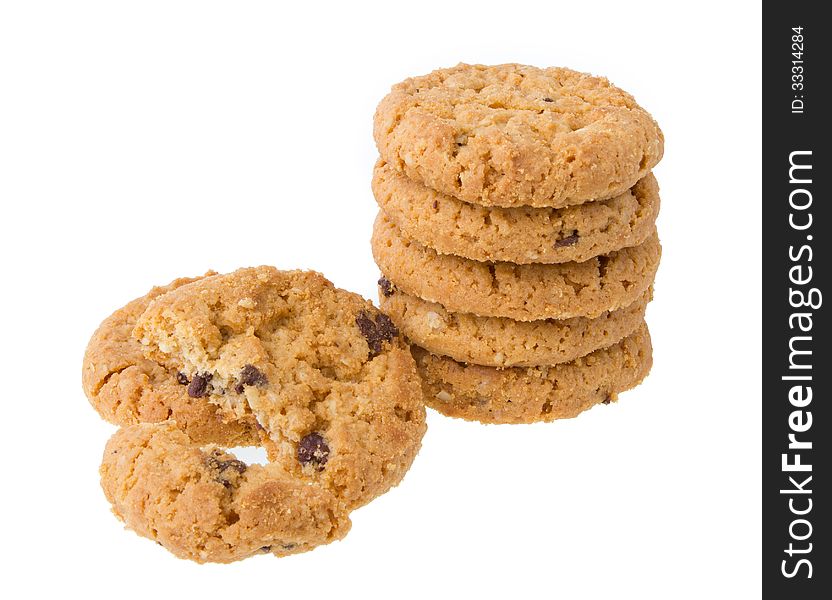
(517,237)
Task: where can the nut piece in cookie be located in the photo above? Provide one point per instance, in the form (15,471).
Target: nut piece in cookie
(206,505)
(324,373)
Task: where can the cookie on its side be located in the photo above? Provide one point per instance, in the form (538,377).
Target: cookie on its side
(520,292)
(500,342)
(519,235)
(515,135)
(527,395)
(325,374)
(126,388)
(207,506)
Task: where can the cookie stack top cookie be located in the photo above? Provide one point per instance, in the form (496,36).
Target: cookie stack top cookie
(514,135)
(516,237)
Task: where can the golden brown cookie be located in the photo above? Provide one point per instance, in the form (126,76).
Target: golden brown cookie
(323,372)
(125,387)
(501,342)
(520,235)
(526,395)
(520,292)
(207,506)
(514,135)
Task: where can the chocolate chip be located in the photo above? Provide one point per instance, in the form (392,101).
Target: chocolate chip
(607,400)
(222,465)
(377,331)
(181,378)
(266,549)
(547,99)
(199,385)
(313,449)
(436,205)
(386,287)
(250,375)
(569,240)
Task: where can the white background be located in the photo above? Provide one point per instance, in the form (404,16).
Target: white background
(144,141)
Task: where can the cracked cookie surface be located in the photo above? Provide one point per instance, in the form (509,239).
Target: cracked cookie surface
(205,505)
(520,235)
(125,387)
(515,135)
(527,395)
(520,292)
(501,342)
(324,373)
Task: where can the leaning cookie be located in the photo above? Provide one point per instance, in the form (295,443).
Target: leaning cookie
(126,388)
(520,235)
(527,395)
(520,292)
(324,373)
(207,506)
(501,342)
(514,135)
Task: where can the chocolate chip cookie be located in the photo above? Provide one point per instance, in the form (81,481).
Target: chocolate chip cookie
(324,373)
(520,235)
(520,292)
(205,505)
(500,342)
(514,135)
(526,395)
